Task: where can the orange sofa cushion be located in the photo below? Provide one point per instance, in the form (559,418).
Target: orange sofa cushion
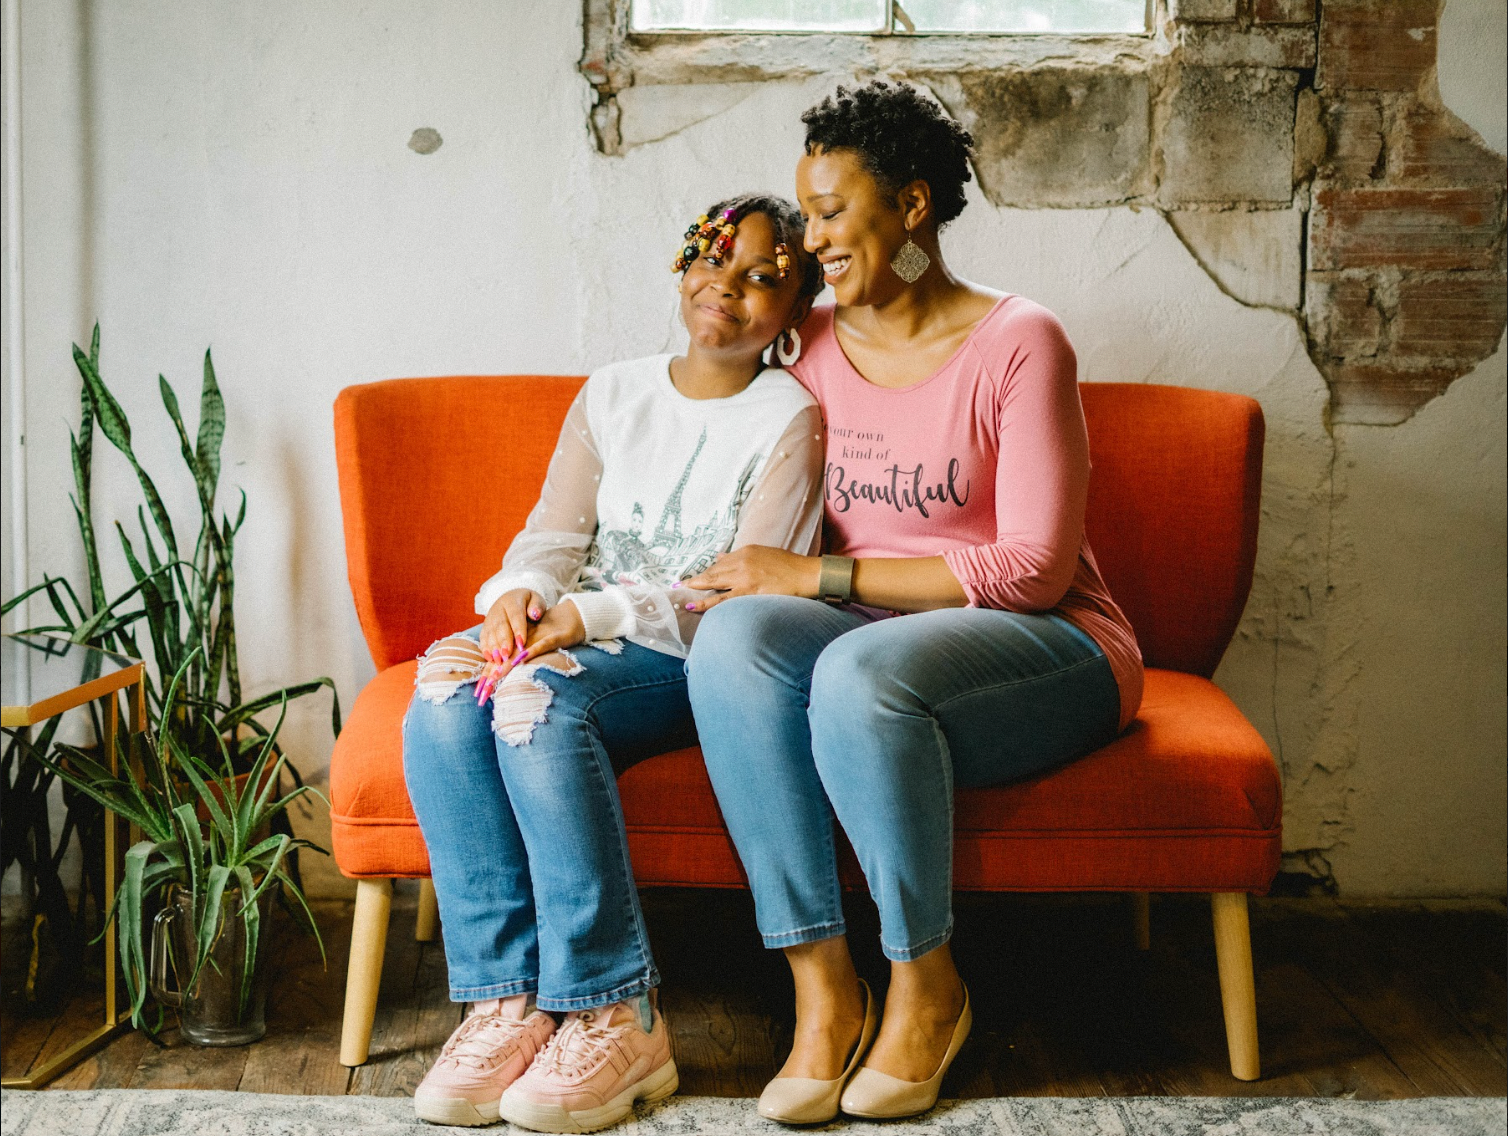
(1186,800)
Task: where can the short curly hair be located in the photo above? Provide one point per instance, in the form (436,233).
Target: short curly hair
(900,136)
(790,229)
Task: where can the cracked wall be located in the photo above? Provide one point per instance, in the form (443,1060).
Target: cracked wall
(245,180)
(1303,158)
(1300,149)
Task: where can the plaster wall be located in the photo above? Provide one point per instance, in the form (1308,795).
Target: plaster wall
(242,178)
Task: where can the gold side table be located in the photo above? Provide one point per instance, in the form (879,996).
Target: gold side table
(44,676)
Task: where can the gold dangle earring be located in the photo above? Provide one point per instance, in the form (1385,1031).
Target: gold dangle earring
(910,261)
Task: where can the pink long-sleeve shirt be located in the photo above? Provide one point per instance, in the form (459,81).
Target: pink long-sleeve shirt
(986,463)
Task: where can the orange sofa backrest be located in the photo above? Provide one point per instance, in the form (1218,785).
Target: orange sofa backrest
(437,475)
(1174,500)
(436,478)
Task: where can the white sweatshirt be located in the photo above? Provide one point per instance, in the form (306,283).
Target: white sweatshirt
(647,486)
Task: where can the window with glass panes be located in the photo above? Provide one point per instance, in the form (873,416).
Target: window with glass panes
(883,17)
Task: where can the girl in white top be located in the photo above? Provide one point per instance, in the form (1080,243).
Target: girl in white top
(513,741)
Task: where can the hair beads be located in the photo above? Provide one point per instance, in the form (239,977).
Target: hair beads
(706,235)
(724,243)
(782,260)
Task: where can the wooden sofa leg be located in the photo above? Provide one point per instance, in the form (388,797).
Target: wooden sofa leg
(374,901)
(1141,919)
(428,920)
(1238,991)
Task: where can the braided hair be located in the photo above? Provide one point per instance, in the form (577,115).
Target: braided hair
(784,218)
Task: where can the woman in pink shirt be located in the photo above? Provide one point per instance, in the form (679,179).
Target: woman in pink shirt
(956,632)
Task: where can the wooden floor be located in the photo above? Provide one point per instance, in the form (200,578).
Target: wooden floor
(1354,1000)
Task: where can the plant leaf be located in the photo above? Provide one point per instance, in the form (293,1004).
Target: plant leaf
(263,784)
(291,888)
(186,762)
(98,782)
(211,428)
(208,922)
(132,897)
(187,825)
(112,419)
(241,713)
(251,918)
(115,427)
(47,583)
(152,599)
(80,449)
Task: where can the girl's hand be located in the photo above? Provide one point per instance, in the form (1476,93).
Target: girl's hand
(757,570)
(505,632)
(506,628)
(560,627)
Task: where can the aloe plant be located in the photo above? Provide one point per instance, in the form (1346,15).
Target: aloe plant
(209,857)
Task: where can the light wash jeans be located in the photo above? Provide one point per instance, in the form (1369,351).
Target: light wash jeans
(806,711)
(526,842)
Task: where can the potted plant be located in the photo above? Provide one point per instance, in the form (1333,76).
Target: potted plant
(178,615)
(209,859)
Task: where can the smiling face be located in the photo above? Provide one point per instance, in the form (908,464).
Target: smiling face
(739,304)
(852,226)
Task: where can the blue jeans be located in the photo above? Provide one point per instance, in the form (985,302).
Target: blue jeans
(526,842)
(806,711)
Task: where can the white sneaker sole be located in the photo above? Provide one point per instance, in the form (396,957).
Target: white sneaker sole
(552,1118)
(455,1111)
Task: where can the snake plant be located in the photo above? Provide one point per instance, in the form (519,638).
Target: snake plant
(200,822)
(186,603)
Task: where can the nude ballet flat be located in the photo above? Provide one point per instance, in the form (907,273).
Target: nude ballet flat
(807,1100)
(879,1096)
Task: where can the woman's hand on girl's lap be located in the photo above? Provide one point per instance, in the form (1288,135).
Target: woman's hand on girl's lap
(757,570)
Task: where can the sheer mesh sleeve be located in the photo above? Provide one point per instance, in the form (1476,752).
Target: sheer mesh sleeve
(783,510)
(547,556)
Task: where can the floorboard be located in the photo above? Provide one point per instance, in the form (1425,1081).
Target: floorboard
(303,1011)
(414,1013)
(1363,1000)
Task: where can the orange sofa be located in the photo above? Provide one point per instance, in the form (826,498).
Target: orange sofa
(1187,799)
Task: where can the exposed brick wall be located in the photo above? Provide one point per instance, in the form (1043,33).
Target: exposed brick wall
(1406,259)
(1404,284)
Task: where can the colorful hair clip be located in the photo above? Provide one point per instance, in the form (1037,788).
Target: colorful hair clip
(697,238)
(705,236)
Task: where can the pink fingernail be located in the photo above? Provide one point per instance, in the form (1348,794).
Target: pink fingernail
(534,613)
(675,585)
(496,656)
(522,651)
(691,607)
(518,640)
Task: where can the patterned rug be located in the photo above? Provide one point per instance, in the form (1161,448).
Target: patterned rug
(136,1112)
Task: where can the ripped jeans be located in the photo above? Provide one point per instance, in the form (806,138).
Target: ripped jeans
(526,838)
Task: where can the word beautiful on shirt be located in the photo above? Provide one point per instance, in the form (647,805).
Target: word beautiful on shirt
(900,489)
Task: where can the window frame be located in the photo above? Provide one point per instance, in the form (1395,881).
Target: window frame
(615,58)
(894,13)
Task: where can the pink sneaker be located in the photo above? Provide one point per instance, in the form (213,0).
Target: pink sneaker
(483,1057)
(592,1071)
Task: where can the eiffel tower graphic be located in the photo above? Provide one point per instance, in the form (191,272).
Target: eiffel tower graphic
(668,531)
